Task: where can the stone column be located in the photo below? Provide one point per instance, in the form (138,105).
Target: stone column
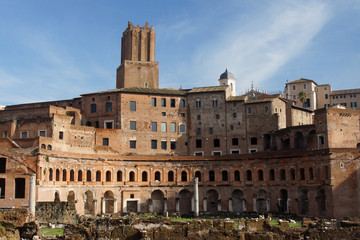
(32,193)
(96,207)
(165,207)
(115,205)
(196,196)
(103,205)
(230,205)
(204,204)
(268,205)
(254,205)
(177,205)
(288,206)
(219,205)
(244,205)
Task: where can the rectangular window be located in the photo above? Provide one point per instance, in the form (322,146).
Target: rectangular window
(249,110)
(132,125)
(154,126)
(61,135)
(108,124)
(231,127)
(235,151)
(216,142)
(217,116)
(353,104)
(216,153)
(198,117)
(163,145)
(132,143)
(294,87)
(153,102)
(42,133)
(93,108)
(173,145)
(2,187)
(304,85)
(326,96)
(163,102)
(105,142)
(198,153)
(2,165)
(19,187)
(24,134)
(235,141)
(5,134)
(198,131)
(211,130)
(343,104)
(198,143)
(163,127)
(173,127)
(108,106)
(132,106)
(172,103)
(182,114)
(182,128)
(234,115)
(153,144)
(182,103)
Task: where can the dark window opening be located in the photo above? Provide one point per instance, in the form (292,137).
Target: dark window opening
(153,102)
(183,176)
(50,174)
(260,175)
(93,108)
(108,107)
(282,174)
(88,176)
(163,145)
(182,103)
(248,175)
(216,142)
(131,176)
(157,176)
(79,176)
(72,175)
(144,177)
(173,145)
(253,141)
(153,144)
(198,143)
(172,103)
(163,102)
(61,135)
(198,175)
(19,187)
(237,175)
(211,176)
(64,177)
(2,165)
(119,176)
(132,143)
(132,106)
(171,176)
(272,174)
(2,187)
(57,175)
(235,141)
(302,174)
(105,142)
(108,176)
(292,174)
(98,176)
(225,176)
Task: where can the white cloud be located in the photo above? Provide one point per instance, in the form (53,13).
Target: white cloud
(255,54)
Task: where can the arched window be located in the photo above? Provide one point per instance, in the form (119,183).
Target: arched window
(171,176)
(198,103)
(272,174)
(108,176)
(198,175)
(260,175)
(183,176)
(57,175)
(50,174)
(131,176)
(108,106)
(237,175)
(292,174)
(248,175)
(88,176)
(311,174)
(144,177)
(157,176)
(79,176)
(64,175)
(214,102)
(302,174)
(72,178)
(49,147)
(88,123)
(211,176)
(282,174)
(98,176)
(119,176)
(43,146)
(225,176)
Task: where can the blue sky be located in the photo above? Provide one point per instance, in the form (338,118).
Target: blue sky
(53,50)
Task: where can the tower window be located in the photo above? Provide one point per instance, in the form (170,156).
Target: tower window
(153,102)
(216,142)
(108,106)
(132,106)
(172,103)
(163,102)
(93,108)
(198,103)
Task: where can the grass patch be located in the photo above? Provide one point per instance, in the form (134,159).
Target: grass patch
(297,224)
(52,231)
(181,219)
(274,222)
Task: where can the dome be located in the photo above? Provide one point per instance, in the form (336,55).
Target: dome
(227,75)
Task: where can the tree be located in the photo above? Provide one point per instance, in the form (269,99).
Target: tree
(302,97)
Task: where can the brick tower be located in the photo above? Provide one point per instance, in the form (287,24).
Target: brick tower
(138,67)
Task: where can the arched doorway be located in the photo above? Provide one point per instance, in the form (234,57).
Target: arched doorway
(71,196)
(109,202)
(299,141)
(185,201)
(321,202)
(283,203)
(157,199)
(303,202)
(212,197)
(89,206)
(238,201)
(261,201)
